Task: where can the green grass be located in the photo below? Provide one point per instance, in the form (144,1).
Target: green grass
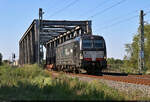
(32,83)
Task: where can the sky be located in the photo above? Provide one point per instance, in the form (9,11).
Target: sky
(116,20)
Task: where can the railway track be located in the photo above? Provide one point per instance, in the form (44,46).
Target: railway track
(119,77)
(129,84)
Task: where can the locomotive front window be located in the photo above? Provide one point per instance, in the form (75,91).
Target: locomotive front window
(98,44)
(87,43)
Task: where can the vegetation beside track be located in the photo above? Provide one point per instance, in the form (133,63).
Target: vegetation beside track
(129,64)
(122,66)
(32,83)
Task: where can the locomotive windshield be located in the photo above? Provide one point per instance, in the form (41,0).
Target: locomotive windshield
(92,43)
(87,43)
(98,44)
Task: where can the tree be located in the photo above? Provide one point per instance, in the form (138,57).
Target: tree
(114,63)
(132,50)
(129,50)
(147,46)
(110,60)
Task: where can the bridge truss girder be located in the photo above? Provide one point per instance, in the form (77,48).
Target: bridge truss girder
(45,33)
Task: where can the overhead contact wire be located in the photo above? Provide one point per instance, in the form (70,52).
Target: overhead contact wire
(67,6)
(96,7)
(106,9)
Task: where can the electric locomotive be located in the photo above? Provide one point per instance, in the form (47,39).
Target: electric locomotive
(87,52)
(84,53)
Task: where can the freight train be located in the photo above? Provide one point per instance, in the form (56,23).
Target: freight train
(83,53)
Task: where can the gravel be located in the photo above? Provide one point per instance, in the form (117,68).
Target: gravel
(129,88)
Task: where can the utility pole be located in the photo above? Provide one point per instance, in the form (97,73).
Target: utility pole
(141,43)
(40,46)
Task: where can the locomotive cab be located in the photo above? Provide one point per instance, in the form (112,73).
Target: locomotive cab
(93,53)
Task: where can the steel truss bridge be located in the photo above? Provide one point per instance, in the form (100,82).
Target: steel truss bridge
(48,33)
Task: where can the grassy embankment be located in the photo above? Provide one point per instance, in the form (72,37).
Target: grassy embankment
(33,83)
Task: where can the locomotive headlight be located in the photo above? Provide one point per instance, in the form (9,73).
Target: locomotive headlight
(81,56)
(105,57)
